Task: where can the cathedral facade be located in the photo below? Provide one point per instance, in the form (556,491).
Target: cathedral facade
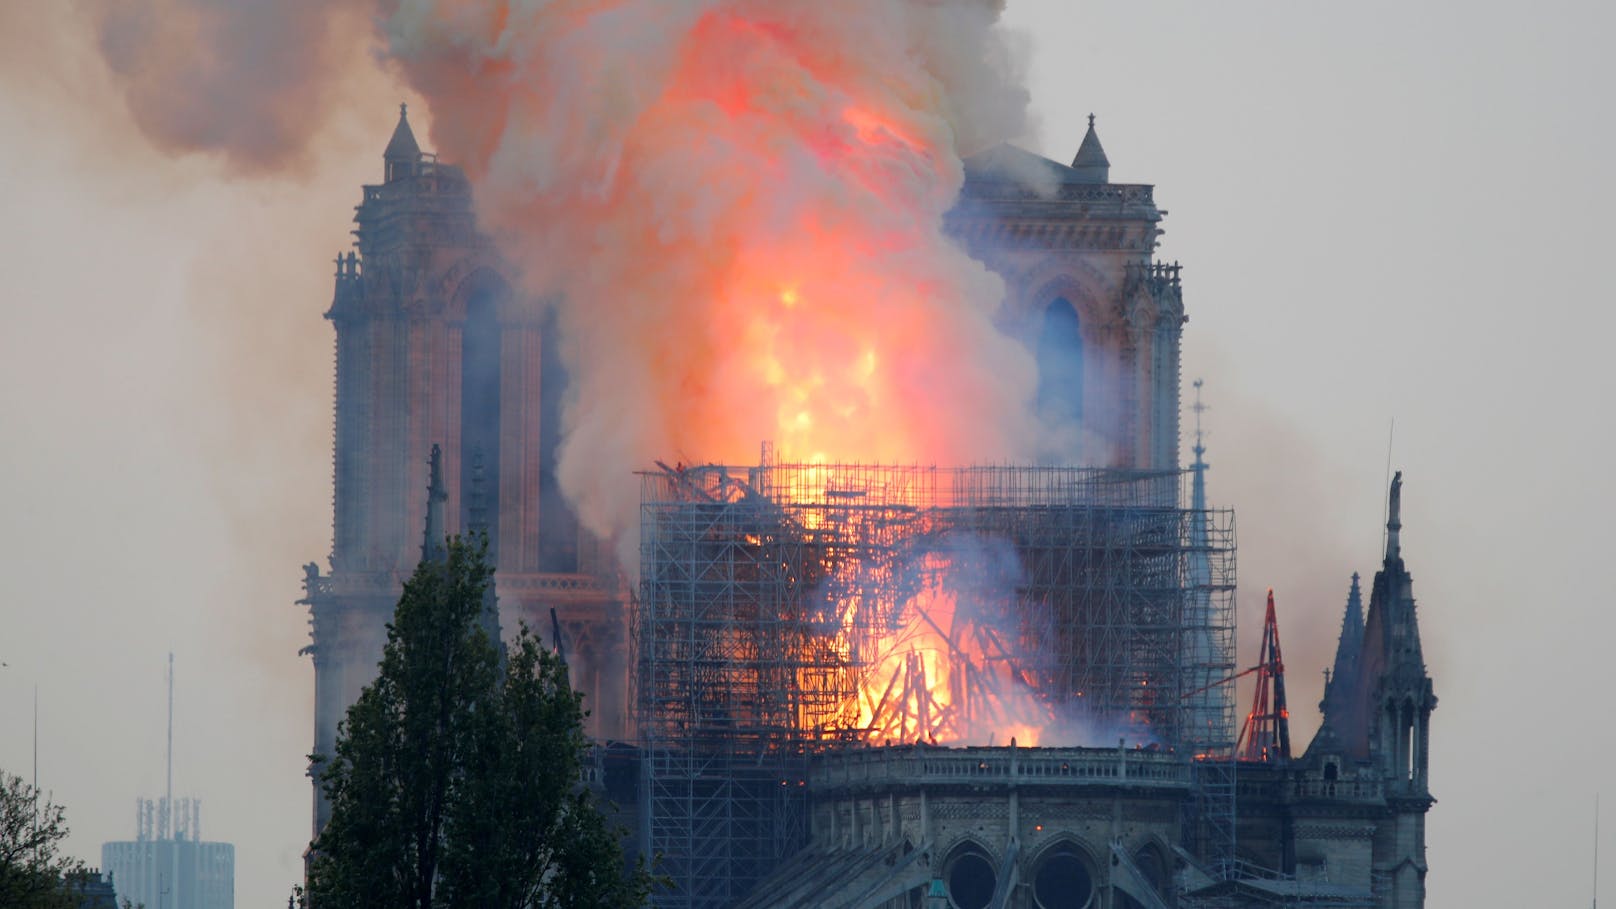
(437,346)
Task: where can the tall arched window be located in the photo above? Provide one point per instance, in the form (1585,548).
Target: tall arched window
(479,407)
(558,526)
(1060,364)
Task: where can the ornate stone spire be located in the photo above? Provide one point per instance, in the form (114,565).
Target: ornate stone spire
(1352,621)
(1091,163)
(1348,649)
(433,548)
(1391,602)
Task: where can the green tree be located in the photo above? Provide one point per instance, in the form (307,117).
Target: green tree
(32,872)
(456,777)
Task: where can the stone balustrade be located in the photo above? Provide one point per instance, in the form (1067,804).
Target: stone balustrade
(1019,767)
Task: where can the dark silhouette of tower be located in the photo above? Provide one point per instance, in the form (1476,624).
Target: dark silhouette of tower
(436,345)
(1377,713)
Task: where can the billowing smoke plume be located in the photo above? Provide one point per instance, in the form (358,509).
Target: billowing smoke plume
(738,205)
(735,205)
(249,80)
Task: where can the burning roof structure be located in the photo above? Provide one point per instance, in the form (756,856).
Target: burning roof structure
(786,610)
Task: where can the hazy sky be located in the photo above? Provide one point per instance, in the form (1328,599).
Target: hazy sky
(1385,211)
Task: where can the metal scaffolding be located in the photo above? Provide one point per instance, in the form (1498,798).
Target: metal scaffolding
(785,609)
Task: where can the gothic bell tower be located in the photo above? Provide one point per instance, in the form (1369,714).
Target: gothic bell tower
(436,346)
(1086,294)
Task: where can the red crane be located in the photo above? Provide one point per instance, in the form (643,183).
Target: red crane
(1266,735)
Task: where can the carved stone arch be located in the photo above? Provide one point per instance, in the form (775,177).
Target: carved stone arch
(1065,873)
(970,872)
(1066,839)
(1093,315)
(962,842)
(1153,856)
(473,278)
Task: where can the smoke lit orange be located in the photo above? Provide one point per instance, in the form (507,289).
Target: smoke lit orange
(738,206)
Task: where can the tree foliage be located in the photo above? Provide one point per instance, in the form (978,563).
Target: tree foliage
(456,777)
(32,873)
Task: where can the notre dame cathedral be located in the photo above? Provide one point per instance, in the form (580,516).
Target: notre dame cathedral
(436,346)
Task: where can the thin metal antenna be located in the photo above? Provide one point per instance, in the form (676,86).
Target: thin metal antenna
(1385,515)
(36,772)
(168,795)
(1596,851)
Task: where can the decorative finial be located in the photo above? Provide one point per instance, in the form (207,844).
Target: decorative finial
(404,110)
(1091,121)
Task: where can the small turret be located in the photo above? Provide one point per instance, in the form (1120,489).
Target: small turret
(403,153)
(1091,163)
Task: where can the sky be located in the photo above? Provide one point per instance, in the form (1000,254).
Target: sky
(1390,217)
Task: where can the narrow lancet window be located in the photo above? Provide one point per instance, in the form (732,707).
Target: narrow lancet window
(479,412)
(1060,365)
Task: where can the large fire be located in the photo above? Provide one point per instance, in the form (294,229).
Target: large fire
(949,671)
(738,205)
(736,209)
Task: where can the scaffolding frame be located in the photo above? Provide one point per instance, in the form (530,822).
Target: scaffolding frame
(767,593)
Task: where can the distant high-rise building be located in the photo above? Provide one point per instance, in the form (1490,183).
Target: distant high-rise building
(168,865)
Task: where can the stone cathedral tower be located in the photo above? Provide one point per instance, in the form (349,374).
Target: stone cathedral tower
(435,346)
(1086,295)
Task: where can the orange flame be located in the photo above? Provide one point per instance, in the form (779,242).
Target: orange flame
(739,207)
(943,675)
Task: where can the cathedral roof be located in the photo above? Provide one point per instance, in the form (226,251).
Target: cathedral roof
(1007,162)
(403,145)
